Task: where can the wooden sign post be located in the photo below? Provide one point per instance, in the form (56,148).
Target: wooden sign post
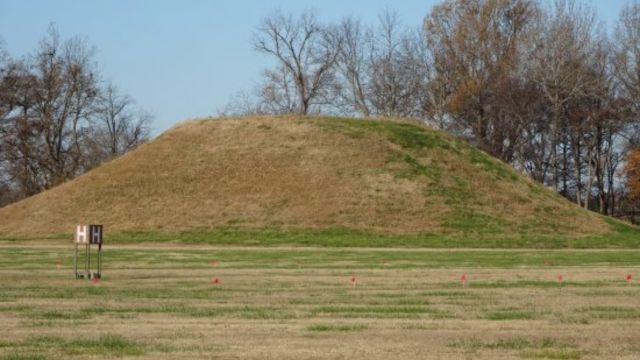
(88,235)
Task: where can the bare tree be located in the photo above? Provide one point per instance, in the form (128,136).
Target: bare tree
(477,49)
(54,117)
(627,62)
(65,95)
(19,131)
(116,128)
(305,57)
(382,70)
(627,74)
(278,93)
(352,64)
(395,79)
(11,75)
(242,103)
(415,71)
(9,78)
(560,60)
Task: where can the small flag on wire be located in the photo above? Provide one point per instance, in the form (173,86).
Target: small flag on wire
(463,279)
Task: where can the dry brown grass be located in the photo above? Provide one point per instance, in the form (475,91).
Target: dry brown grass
(169,312)
(293,173)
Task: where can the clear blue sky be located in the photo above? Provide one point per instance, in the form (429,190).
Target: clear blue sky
(185,59)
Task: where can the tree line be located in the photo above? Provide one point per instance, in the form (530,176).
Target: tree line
(59,118)
(541,85)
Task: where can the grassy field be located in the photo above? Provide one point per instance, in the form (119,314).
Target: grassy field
(623,236)
(310,303)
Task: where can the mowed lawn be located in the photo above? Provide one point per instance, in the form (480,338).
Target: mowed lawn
(161,302)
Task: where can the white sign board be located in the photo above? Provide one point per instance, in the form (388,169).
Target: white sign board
(81,234)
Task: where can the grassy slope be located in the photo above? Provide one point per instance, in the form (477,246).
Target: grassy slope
(314,181)
(186,257)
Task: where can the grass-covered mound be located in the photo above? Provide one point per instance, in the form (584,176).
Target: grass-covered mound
(314,181)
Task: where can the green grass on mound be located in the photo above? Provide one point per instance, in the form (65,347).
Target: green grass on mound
(622,236)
